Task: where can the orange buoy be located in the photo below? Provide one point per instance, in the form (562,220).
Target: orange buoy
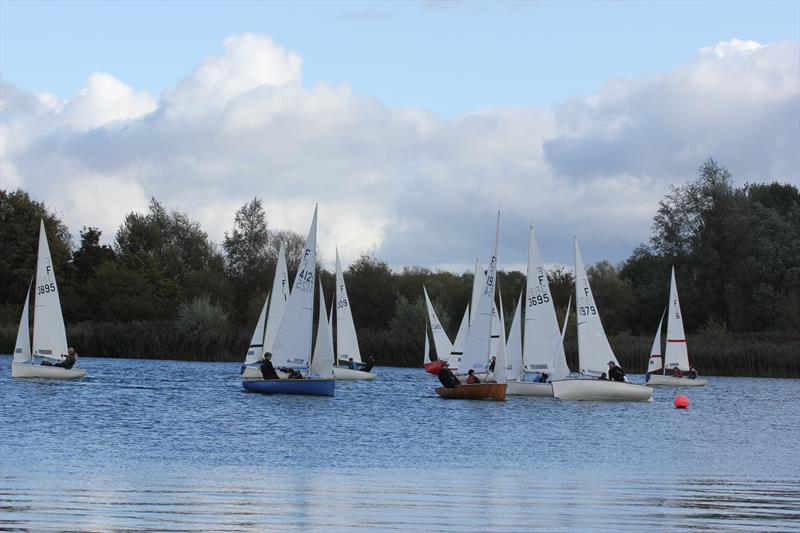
(681,402)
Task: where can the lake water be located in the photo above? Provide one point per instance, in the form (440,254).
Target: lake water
(180,446)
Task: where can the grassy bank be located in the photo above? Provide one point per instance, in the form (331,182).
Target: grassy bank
(773,354)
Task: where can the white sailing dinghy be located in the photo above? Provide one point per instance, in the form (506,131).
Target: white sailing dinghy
(49,334)
(292,347)
(543,349)
(594,352)
(346,339)
(267,326)
(676,355)
(496,343)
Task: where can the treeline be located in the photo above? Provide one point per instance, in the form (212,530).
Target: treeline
(164,290)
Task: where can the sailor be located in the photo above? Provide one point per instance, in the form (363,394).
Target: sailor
(677,372)
(267,370)
(70,360)
(692,373)
(472,378)
(369,365)
(446,376)
(615,373)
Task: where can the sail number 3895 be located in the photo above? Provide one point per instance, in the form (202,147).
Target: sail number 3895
(47,287)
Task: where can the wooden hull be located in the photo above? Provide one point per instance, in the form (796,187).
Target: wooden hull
(654,380)
(479,391)
(597,390)
(303,387)
(28,370)
(348,374)
(529,388)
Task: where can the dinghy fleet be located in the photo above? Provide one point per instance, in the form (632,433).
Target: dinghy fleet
(529,362)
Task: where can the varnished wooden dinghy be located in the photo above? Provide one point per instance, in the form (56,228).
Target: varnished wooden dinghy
(477,391)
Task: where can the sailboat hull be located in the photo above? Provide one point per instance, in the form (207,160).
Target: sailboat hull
(28,370)
(596,390)
(303,387)
(348,374)
(478,391)
(529,388)
(654,380)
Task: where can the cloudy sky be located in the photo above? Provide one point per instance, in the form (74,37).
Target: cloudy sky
(410,123)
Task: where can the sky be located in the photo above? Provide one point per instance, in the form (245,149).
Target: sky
(410,123)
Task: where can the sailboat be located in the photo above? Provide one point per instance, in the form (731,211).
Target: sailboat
(462,368)
(543,349)
(292,347)
(49,334)
(477,348)
(594,352)
(267,325)
(676,355)
(346,339)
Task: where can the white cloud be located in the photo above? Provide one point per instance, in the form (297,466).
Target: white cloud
(416,188)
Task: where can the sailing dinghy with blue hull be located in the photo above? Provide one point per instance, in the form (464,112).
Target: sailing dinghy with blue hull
(292,347)
(305,387)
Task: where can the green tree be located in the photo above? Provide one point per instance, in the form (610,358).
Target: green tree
(245,246)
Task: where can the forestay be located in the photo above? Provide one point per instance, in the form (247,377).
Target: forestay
(346,339)
(440,340)
(292,346)
(543,349)
(280,297)
(49,334)
(594,351)
(22,348)
(676,354)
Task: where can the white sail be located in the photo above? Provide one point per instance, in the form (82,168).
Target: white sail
(440,340)
(22,348)
(594,351)
(322,362)
(280,297)
(514,345)
(676,354)
(426,356)
(461,339)
(654,362)
(49,334)
(346,339)
(543,349)
(292,346)
(256,349)
(478,343)
(501,362)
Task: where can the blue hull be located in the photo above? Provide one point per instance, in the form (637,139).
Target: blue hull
(306,387)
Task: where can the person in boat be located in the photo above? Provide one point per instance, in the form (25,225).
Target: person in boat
(446,377)
(70,360)
(472,378)
(267,370)
(351,364)
(491,364)
(537,377)
(677,372)
(615,373)
(370,363)
(692,373)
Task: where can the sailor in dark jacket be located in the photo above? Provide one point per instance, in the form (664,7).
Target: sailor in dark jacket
(446,376)
(267,370)
(615,373)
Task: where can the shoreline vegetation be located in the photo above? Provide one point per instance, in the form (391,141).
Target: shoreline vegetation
(163,290)
(763,354)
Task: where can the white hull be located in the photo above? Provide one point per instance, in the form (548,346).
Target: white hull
(348,374)
(27,370)
(672,381)
(598,390)
(529,388)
